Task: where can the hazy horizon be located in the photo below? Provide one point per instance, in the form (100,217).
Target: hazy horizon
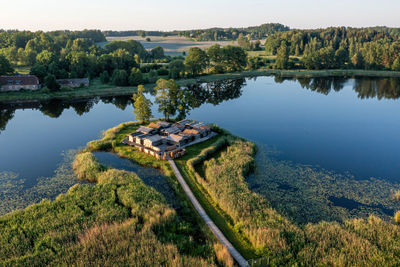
(157,15)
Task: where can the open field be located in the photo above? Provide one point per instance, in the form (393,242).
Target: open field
(172,44)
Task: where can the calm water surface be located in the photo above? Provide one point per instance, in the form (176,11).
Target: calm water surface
(341,125)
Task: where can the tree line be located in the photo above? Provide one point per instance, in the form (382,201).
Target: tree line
(212,34)
(375,48)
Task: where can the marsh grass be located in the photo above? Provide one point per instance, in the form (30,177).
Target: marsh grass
(116,221)
(355,242)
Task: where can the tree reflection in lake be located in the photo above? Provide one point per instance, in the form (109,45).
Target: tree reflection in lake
(5,116)
(193,96)
(377,88)
(323,85)
(209,93)
(366,87)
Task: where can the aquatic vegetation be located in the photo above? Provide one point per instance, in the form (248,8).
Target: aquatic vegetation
(118,220)
(307,194)
(355,242)
(251,214)
(15,195)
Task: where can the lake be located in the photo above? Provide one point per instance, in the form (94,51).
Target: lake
(346,126)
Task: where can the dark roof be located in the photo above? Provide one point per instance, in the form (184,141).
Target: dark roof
(184,122)
(172,130)
(154,138)
(19,80)
(136,134)
(163,123)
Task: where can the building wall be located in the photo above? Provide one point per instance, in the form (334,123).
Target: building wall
(9,88)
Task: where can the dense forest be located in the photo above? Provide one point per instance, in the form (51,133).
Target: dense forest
(77,54)
(366,48)
(212,34)
(59,55)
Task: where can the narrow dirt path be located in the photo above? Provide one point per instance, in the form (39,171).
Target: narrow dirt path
(235,254)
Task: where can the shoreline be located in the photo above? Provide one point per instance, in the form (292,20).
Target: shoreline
(96,89)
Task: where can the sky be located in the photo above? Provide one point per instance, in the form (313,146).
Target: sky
(181,15)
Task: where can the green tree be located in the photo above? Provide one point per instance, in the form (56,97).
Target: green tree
(312,60)
(105,77)
(216,57)
(153,76)
(136,77)
(45,57)
(282,57)
(358,61)
(142,106)
(341,58)
(243,42)
(196,61)
(234,58)
(396,64)
(167,92)
(157,52)
(39,71)
(51,83)
(5,66)
(327,57)
(176,68)
(119,77)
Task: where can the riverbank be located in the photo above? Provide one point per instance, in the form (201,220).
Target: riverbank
(96,88)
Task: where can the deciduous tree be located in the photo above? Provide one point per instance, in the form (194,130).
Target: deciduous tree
(142,105)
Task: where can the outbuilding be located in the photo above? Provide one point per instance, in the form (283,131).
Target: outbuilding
(18,82)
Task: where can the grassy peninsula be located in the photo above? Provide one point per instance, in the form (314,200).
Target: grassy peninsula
(117,219)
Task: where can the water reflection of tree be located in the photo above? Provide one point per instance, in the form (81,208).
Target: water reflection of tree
(323,85)
(53,108)
(388,88)
(5,116)
(209,93)
(120,102)
(82,107)
(381,88)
